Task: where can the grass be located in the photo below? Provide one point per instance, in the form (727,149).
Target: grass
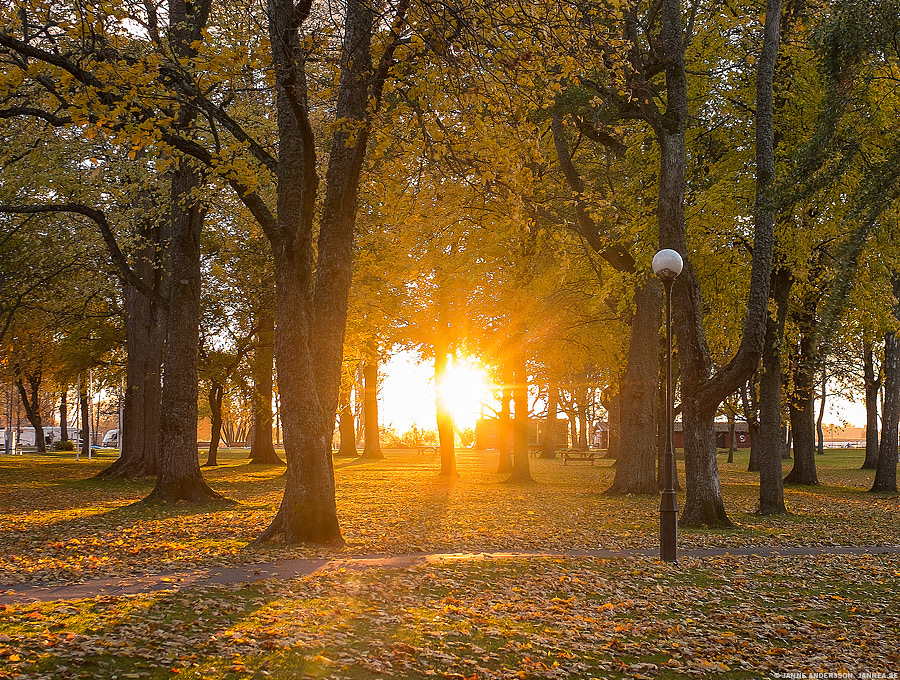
(57,522)
(461,618)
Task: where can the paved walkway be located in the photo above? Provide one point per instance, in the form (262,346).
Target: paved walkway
(250,573)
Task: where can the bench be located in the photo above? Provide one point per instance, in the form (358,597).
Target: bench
(575,454)
(428,449)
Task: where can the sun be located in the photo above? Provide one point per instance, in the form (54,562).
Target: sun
(465,387)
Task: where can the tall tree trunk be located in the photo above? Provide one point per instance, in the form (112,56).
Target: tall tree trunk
(636,464)
(178,476)
(372,446)
(872,386)
(803,403)
(31,400)
(446,437)
(145,333)
(64,414)
(886,470)
(548,445)
(521,471)
(771,489)
(702,392)
(262,449)
(819,432)
(583,427)
(214,398)
(346,419)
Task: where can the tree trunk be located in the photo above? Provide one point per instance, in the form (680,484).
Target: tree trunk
(504,426)
(636,465)
(145,332)
(31,400)
(64,414)
(886,470)
(178,476)
(262,449)
(548,445)
(771,489)
(802,404)
(872,386)
(583,428)
(819,432)
(372,446)
(444,417)
(521,471)
(346,420)
(214,397)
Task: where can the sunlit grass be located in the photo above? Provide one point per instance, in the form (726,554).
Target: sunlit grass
(58,522)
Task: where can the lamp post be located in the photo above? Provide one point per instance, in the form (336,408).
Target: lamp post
(667,265)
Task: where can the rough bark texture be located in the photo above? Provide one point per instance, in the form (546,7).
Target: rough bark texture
(872,387)
(262,448)
(29,385)
(64,414)
(636,469)
(701,391)
(521,470)
(771,444)
(85,406)
(886,470)
(803,403)
(178,476)
(145,332)
(372,444)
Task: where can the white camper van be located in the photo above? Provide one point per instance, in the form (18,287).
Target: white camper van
(51,434)
(111,439)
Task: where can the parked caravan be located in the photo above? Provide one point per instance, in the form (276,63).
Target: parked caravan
(51,434)
(111,439)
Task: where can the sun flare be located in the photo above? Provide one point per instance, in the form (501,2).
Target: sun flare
(464,387)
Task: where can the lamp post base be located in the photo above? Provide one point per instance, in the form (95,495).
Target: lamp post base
(668,527)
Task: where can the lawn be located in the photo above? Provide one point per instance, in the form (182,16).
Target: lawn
(465,617)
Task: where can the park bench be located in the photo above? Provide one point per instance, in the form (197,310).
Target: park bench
(428,449)
(575,454)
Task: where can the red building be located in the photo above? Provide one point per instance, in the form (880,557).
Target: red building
(741,435)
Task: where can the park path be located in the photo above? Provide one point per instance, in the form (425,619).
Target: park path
(288,569)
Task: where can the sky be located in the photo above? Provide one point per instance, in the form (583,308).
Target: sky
(407,397)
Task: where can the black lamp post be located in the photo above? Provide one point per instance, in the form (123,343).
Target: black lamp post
(667,265)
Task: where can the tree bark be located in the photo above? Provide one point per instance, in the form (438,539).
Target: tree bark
(771,489)
(731,442)
(636,466)
(819,432)
(886,470)
(64,414)
(521,470)
(346,420)
(872,385)
(613,411)
(444,417)
(262,449)
(372,445)
(802,403)
(85,406)
(31,400)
